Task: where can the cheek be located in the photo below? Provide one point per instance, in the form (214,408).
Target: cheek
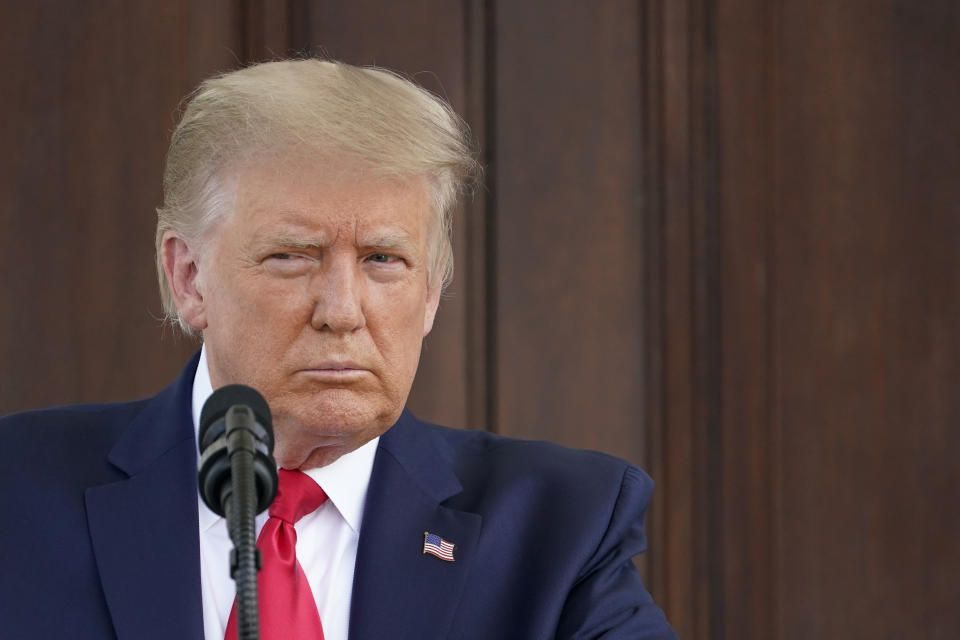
(254,313)
(399,321)
(270,299)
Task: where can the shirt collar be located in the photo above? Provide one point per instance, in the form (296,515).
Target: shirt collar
(345,481)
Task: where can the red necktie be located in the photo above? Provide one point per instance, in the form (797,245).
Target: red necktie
(287,608)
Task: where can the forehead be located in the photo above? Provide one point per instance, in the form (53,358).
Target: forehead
(318,198)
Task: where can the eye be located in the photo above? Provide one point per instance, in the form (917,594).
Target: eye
(380,257)
(286,265)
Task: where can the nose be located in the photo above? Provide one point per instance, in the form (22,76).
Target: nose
(338,295)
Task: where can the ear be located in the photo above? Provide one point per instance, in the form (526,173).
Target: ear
(430,312)
(182,266)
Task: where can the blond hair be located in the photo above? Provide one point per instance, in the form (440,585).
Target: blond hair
(361,116)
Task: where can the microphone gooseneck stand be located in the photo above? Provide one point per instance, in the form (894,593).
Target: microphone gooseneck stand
(240,500)
(237,478)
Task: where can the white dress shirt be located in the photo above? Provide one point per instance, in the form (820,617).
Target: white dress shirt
(326,539)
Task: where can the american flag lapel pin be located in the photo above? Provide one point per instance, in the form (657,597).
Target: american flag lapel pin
(437,546)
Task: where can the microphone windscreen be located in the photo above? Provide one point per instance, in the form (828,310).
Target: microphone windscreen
(223,398)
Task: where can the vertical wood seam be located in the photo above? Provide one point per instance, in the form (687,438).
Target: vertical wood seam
(771,180)
(651,170)
(490,284)
(710,350)
(476,362)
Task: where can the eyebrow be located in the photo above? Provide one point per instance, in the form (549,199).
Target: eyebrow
(376,239)
(290,241)
(385,239)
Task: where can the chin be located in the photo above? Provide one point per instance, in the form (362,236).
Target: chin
(319,436)
(333,415)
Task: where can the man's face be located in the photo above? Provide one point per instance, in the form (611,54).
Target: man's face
(315,292)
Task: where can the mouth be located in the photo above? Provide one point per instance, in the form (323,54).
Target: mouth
(335,370)
(336,365)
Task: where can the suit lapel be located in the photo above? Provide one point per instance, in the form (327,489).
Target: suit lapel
(144,531)
(144,528)
(400,592)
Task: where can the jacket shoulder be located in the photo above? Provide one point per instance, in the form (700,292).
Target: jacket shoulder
(68,418)
(64,438)
(487,458)
(560,525)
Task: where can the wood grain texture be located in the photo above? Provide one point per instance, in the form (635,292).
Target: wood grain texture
(683,363)
(746,601)
(801,160)
(91,93)
(569,281)
(868,303)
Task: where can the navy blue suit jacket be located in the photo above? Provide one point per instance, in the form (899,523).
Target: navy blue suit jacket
(99,536)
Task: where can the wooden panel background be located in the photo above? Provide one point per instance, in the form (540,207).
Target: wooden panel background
(89,99)
(719,239)
(867,304)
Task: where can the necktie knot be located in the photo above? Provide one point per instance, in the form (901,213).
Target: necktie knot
(297,495)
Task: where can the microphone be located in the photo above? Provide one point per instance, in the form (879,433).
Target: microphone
(237,477)
(245,410)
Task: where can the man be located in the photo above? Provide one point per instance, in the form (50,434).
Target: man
(305,235)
